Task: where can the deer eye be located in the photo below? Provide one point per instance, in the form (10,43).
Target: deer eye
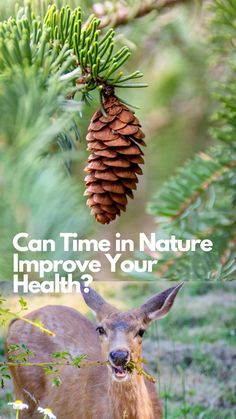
(100,330)
(140,332)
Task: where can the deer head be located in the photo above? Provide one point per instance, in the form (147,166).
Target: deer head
(121,333)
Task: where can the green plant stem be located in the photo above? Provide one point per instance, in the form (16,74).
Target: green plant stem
(35,324)
(132,366)
(45,364)
(24,319)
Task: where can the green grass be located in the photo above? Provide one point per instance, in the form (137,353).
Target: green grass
(193,351)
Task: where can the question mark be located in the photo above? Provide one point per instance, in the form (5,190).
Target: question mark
(88,279)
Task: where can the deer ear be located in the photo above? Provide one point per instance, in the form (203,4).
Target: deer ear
(97,304)
(159,305)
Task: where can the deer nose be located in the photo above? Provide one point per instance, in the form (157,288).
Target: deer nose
(119,357)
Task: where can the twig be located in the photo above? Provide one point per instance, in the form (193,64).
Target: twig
(35,324)
(52,363)
(121,14)
(132,365)
(226,254)
(203,187)
(17,316)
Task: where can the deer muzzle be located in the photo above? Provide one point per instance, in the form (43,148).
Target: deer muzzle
(118,361)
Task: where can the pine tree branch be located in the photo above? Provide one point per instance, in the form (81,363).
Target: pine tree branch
(122,15)
(226,256)
(191,181)
(62,43)
(199,201)
(202,187)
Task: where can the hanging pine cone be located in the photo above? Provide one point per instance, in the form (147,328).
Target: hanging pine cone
(113,164)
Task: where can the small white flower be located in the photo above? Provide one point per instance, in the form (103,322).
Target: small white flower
(19,405)
(47,412)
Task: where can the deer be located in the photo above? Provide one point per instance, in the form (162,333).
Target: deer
(107,391)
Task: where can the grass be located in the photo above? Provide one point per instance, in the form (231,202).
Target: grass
(191,352)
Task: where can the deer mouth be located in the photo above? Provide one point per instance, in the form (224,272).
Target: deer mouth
(120,373)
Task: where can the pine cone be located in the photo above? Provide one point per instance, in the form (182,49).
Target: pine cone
(113,164)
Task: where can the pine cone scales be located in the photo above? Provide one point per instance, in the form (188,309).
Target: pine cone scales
(114,162)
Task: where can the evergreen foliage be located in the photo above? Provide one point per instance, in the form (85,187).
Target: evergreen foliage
(199,200)
(44,63)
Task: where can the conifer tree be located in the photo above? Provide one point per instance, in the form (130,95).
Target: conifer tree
(199,200)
